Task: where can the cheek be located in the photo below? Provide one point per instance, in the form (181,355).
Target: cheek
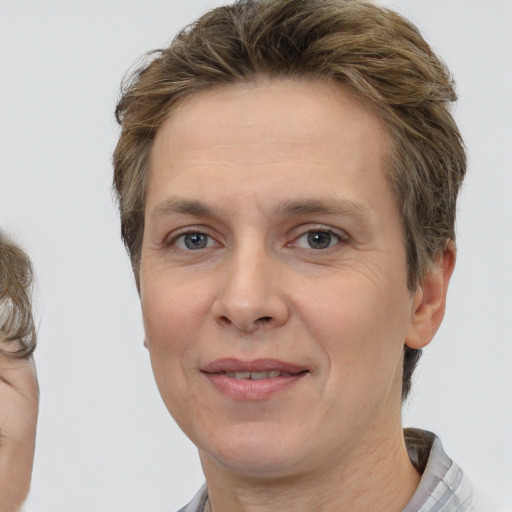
(361,331)
(173,316)
(172,310)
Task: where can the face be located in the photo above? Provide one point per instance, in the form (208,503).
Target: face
(273,278)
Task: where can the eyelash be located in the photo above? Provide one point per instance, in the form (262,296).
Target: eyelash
(339,238)
(181,236)
(336,236)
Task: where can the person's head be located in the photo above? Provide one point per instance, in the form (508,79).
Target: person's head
(17,331)
(374,58)
(372,52)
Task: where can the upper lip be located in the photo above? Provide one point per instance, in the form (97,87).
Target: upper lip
(256,365)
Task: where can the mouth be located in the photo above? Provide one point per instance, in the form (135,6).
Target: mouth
(257,369)
(272,374)
(252,380)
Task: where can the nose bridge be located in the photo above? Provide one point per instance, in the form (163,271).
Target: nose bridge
(250,294)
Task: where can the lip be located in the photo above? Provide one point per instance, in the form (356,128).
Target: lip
(252,390)
(256,365)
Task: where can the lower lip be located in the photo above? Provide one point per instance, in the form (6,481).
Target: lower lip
(248,389)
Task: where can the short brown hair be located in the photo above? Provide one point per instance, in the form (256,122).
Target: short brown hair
(372,51)
(17,331)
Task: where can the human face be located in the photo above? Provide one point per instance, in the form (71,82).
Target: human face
(272,245)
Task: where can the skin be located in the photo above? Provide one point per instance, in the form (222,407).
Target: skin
(257,169)
(19,398)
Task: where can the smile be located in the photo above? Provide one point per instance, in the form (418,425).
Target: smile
(257,375)
(252,380)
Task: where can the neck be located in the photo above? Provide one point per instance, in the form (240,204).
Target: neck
(376,477)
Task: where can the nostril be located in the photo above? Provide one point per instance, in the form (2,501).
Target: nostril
(245,324)
(224,320)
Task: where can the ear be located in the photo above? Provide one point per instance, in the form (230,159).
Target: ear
(430,300)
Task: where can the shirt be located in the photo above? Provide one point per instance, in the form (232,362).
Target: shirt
(443,486)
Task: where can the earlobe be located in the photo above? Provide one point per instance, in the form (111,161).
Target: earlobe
(430,300)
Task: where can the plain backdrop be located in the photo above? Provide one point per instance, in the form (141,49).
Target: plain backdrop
(105,440)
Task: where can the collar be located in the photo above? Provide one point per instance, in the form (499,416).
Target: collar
(443,486)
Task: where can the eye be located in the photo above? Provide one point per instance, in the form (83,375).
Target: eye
(320,239)
(194,241)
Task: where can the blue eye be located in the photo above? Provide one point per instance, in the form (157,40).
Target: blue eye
(317,240)
(193,241)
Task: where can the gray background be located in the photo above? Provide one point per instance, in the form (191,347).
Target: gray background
(105,441)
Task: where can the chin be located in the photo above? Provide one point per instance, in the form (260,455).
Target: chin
(257,465)
(256,454)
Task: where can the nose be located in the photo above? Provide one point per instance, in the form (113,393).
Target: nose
(251,296)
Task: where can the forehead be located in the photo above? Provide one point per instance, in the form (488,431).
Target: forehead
(307,110)
(256,133)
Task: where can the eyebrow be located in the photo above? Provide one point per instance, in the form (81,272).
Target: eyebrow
(328,206)
(173,206)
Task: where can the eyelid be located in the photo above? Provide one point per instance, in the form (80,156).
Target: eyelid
(172,238)
(340,234)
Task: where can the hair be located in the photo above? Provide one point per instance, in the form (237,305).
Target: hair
(371,51)
(17,331)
